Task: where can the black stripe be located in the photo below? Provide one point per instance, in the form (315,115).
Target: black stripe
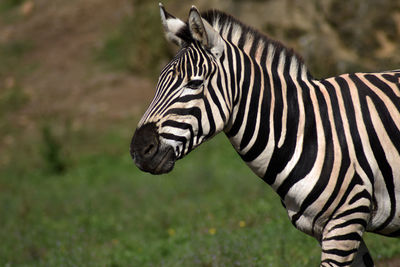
(214,97)
(242,105)
(360,209)
(242,40)
(181,125)
(310,145)
(175,138)
(253,108)
(282,155)
(164,98)
(277,87)
(393,78)
(356,180)
(332,262)
(211,121)
(263,131)
(254,46)
(222,88)
(350,113)
(339,252)
(359,221)
(194,111)
(233,52)
(350,236)
(374,79)
(360,195)
(376,147)
(326,171)
(187,98)
(229,74)
(345,163)
(384,114)
(201,70)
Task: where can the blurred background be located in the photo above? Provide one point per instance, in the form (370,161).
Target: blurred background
(75,77)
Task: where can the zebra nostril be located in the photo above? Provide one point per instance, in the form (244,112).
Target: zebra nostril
(145,143)
(150,150)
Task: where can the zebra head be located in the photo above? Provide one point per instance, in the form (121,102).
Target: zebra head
(186,109)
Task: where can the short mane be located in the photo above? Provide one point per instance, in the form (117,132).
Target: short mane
(231,28)
(225,23)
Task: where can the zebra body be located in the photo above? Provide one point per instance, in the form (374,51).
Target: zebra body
(330,148)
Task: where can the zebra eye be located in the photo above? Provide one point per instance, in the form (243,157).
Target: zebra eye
(194,84)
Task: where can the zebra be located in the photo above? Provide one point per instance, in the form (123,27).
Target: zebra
(328,147)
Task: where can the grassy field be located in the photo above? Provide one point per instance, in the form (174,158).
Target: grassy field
(102,211)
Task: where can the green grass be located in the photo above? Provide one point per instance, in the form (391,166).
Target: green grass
(102,211)
(6,5)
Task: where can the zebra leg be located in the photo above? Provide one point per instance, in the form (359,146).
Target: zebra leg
(342,235)
(340,244)
(363,258)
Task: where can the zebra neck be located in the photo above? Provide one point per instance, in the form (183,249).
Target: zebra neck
(268,116)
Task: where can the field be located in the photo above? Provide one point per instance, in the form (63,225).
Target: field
(71,92)
(102,211)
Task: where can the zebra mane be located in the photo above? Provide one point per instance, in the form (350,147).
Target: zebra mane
(237,32)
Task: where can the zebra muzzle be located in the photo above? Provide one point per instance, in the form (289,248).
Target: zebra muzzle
(148,153)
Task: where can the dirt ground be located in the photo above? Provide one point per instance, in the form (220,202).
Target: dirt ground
(395,262)
(65,81)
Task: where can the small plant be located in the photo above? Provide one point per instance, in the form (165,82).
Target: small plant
(52,151)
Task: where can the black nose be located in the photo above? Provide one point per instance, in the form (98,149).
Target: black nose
(148,153)
(145,143)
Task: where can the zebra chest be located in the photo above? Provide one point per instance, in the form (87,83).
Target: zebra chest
(303,221)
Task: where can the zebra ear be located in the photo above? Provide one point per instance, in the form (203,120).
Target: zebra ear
(203,32)
(172,26)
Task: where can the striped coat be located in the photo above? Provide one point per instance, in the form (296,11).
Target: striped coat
(330,148)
